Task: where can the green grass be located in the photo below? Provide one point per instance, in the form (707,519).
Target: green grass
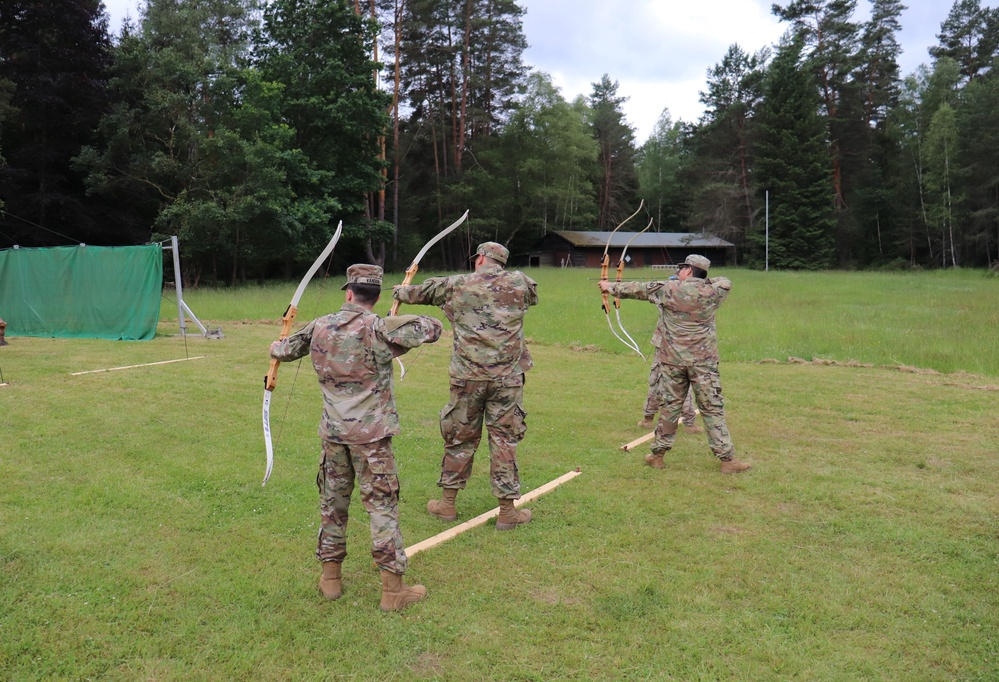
(137,543)
(943,320)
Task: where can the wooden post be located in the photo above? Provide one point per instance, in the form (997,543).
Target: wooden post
(482,518)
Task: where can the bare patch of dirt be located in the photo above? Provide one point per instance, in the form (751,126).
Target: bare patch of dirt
(983,387)
(727,530)
(914,370)
(551,597)
(428,665)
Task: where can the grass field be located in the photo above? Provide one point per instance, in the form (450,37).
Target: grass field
(137,543)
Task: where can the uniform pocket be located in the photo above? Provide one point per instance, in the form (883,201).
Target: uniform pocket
(384,477)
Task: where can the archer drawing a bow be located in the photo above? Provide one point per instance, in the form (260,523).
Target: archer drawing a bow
(415,265)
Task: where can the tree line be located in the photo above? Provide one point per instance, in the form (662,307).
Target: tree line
(250,129)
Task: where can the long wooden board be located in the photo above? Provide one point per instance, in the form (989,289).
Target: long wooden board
(147,364)
(638,441)
(482,518)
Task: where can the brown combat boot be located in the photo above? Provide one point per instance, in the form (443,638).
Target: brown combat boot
(398,595)
(444,507)
(655,461)
(648,422)
(734,466)
(510,517)
(330,584)
(693,428)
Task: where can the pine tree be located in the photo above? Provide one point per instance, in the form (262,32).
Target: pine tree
(460,74)
(793,165)
(873,200)
(723,146)
(979,162)
(970,36)
(54,57)
(617,184)
(878,71)
(827,29)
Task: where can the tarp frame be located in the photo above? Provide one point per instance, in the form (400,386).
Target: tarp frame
(181,305)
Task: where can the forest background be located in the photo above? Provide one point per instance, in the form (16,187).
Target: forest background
(250,129)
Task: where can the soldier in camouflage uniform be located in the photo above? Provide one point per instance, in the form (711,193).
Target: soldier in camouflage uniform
(653,401)
(486,309)
(688,354)
(352,352)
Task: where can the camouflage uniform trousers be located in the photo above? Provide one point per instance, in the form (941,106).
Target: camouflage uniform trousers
(501,404)
(654,403)
(373,466)
(676,382)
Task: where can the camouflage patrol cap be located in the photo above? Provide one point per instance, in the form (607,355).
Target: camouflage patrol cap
(698,262)
(497,252)
(362,273)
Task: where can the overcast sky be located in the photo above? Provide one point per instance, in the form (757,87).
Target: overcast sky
(659,51)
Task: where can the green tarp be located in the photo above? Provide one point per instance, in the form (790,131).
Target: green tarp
(97,292)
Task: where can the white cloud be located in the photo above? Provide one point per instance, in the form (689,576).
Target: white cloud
(657,50)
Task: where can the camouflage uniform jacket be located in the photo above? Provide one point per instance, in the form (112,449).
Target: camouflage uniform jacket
(686,315)
(352,353)
(486,309)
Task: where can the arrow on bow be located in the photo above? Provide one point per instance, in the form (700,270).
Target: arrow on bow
(415,265)
(617,301)
(287,320)
(604,268)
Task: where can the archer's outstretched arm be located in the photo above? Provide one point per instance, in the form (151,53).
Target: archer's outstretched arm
(295,346)
(641,291)
(433,291)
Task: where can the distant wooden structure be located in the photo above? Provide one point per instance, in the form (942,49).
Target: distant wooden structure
(585,249)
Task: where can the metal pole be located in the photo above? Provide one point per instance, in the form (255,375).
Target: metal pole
(177,284)
(767,248)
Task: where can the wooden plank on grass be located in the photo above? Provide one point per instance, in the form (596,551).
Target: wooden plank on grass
(147,364)
(482,518)
(638,441)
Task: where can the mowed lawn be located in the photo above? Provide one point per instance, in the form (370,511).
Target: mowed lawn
(136,541)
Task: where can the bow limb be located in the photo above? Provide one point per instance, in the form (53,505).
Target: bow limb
(287,320)
(617,301)
(604,268)
(415,265)
(410,272)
